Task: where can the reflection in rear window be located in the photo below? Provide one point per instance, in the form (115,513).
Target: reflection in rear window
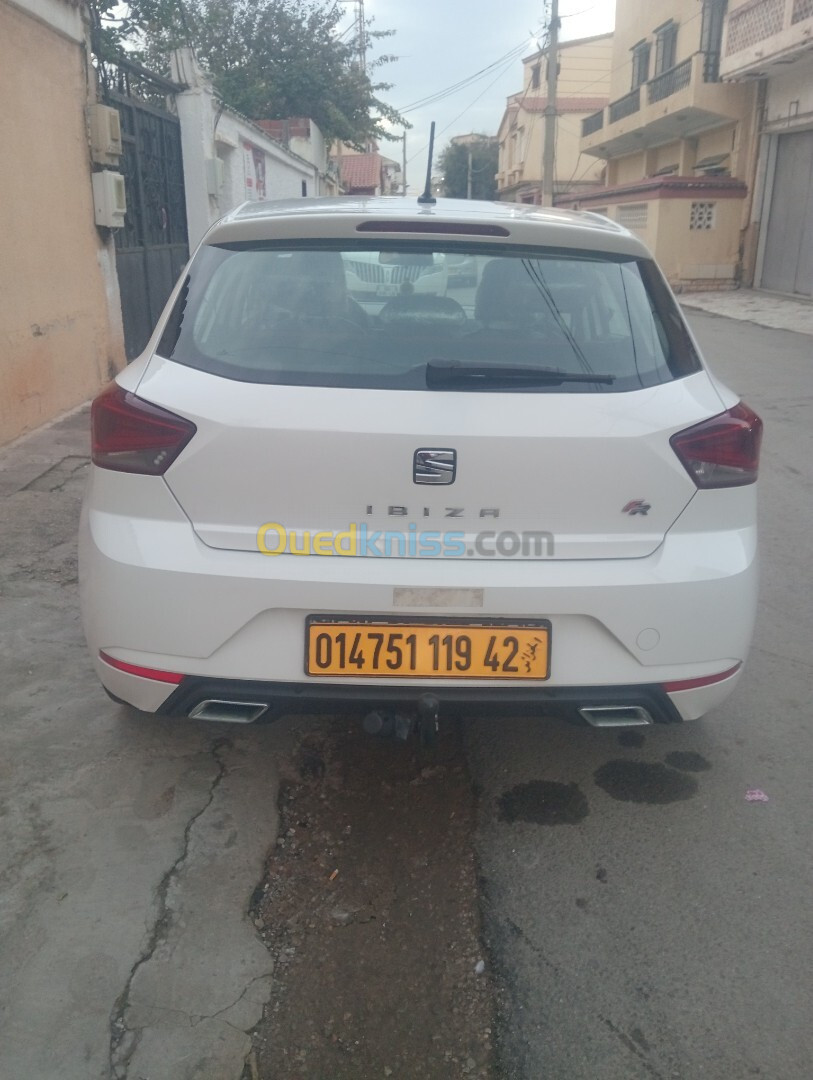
(375,317)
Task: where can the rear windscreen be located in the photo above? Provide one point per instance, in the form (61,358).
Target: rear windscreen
(377,316)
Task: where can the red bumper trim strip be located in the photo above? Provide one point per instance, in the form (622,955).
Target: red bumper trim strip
(706,680)
(142,672)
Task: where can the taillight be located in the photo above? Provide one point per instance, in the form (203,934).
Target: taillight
(131,435)
(722,451)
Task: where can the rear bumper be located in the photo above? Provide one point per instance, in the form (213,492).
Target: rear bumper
(296,697)
(155,596)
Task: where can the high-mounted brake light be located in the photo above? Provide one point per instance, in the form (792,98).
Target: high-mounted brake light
(723,451)
(133,436)
(442,228)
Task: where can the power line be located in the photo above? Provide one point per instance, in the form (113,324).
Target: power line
(431,99)
(542,46)
(469,106)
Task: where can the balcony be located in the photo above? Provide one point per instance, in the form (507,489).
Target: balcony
(678,103)
(627,105)
(668,83)
(594,122)
(762,33)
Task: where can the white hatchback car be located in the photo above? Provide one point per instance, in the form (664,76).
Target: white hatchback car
(537,500)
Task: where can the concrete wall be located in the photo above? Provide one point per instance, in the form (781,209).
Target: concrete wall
(789,96)
(759,31)
(253,165)
(628,168)
(698,258)
(60,314)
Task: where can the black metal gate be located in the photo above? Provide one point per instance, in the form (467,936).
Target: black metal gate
(152,247)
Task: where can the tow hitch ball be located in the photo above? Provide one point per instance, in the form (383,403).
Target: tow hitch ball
(394,725)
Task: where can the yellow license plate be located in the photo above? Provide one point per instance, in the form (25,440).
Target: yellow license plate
(494,650)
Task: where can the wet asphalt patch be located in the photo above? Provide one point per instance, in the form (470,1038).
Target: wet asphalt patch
(544,802)
(644,782)
(687,761)
(550,802)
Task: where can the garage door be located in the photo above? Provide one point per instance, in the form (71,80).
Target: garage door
(788,261)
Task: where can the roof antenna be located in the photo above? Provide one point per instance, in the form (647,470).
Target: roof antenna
(428,199)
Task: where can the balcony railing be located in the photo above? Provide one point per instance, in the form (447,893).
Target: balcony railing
(676,78)
(627,105)
(711,66)
(594,122)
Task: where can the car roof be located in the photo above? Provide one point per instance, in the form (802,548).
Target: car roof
(349,217)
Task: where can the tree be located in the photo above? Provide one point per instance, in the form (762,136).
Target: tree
(454,165)
(269,59)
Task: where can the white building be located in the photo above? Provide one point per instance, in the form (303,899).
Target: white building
(227,158)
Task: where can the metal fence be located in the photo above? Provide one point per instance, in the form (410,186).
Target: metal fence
(676,78)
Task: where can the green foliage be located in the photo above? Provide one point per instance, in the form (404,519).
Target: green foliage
(269,59)
(454,165)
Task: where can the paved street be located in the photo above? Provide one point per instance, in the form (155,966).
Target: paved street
(642,918)
(129,850)
(667,932)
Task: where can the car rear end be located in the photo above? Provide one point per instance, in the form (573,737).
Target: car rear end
(534,499)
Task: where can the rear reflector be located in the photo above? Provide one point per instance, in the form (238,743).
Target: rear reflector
(723,451)
(706,680)
(142,672)
(131,435)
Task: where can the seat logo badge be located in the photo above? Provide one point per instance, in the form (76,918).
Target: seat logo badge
(636,506)
(434,466)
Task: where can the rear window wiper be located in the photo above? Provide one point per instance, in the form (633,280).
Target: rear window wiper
(440,373)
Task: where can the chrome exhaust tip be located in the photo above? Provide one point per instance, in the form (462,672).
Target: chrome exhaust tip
(615,716)
(229,712)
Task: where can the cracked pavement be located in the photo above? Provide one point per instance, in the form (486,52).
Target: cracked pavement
(129,848)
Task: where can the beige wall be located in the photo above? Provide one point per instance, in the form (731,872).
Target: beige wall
(530,141)
(584,72)
(636,19)
(629,168)
(698,258)
(58,292)
(584,68)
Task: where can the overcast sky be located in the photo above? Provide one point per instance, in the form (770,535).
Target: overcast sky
(441,42)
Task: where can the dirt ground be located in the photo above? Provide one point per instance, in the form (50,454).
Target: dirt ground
(369,909)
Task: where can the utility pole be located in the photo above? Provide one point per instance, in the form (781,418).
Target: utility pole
(468,182)
(362,35)
(360,24)
(403,167)
(549,152)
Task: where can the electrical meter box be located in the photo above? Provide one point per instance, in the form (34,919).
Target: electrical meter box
(215,175)
(104,128)
(109,199)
